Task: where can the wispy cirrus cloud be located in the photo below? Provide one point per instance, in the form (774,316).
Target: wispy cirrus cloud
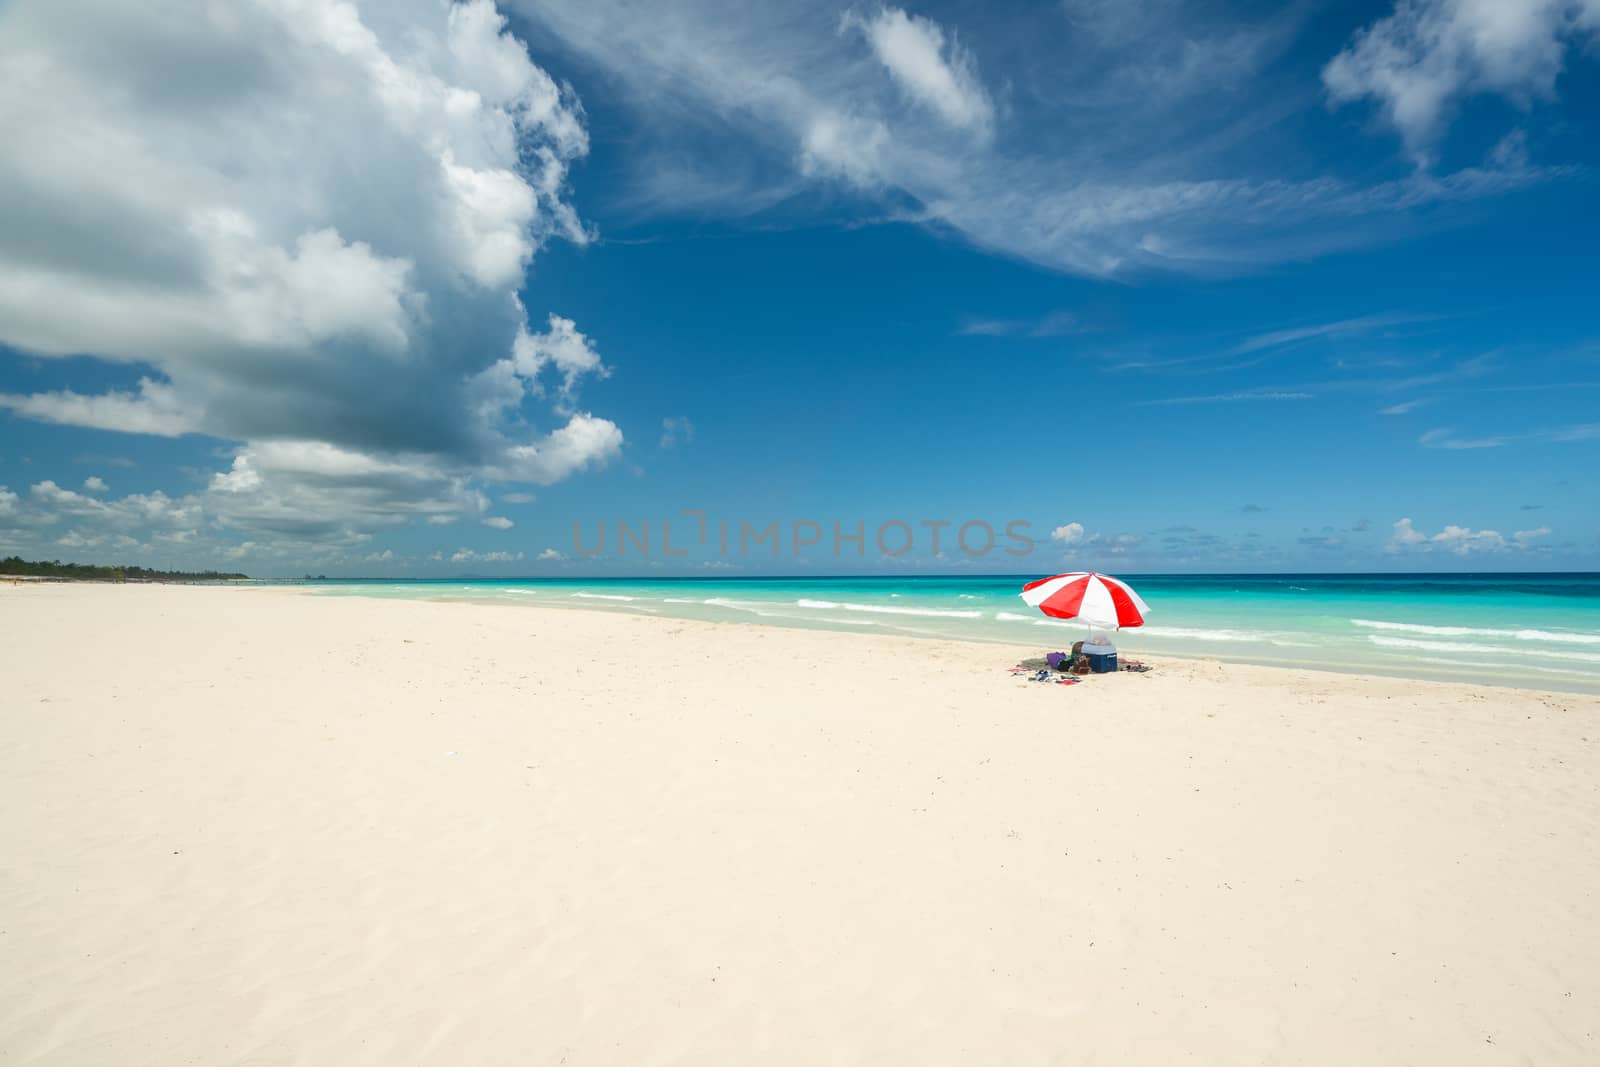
(1339,330)
(1444,437)
(929,64)
(1123,161)
(1053,324)
(676,430)
(1460,376)
(1404,408)
(1241,396)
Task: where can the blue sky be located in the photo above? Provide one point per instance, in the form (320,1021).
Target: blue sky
(412,289)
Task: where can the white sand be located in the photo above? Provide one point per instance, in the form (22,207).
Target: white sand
(256,827)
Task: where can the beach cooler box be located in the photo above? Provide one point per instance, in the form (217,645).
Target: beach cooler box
(1102,655)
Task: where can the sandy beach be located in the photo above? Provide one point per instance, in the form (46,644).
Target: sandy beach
(252,826)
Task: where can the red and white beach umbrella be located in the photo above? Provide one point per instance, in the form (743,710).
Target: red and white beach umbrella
(1097,599)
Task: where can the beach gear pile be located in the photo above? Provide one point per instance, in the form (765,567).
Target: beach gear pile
(1043,674)
(1093,656)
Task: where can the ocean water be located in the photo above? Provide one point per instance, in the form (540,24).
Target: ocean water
(1534,630)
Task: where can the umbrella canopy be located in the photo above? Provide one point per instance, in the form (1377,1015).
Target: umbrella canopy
(1097,599)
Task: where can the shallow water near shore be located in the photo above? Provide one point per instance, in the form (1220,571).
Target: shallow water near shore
(1532,630)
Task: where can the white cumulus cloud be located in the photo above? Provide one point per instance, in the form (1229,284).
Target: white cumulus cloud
(1419,62)
(1070,534)
(560,346)
(1460,540)
(1073,534)
(306,226)
(467,555)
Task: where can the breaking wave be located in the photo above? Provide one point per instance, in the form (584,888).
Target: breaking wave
(885,609)
(1229,636)
(1484,650)
(1469,631)
(1204,635)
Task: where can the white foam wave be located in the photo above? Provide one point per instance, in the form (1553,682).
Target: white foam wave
(603,596)
(736,605)
(885,609)
(1470,631)
(758,609)
(1182,634)
(1204,635)
(1477,649)
(1011,616)
(753,607)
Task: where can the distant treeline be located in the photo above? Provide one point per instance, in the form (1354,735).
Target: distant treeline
(90,572)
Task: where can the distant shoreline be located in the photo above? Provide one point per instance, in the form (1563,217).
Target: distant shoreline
(17,568)
(128,581)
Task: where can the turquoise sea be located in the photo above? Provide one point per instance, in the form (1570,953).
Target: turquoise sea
(1537,630)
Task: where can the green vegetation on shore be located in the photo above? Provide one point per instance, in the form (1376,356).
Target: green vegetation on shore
(15,565)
